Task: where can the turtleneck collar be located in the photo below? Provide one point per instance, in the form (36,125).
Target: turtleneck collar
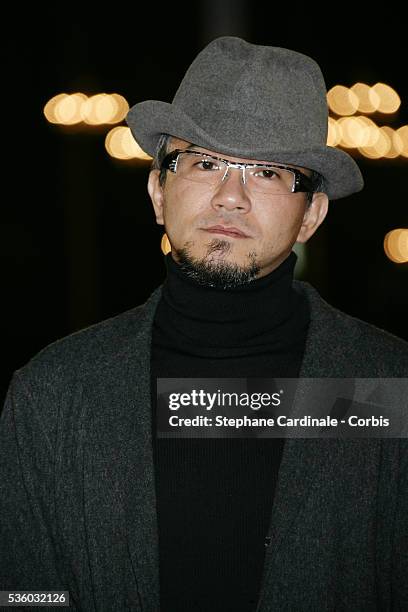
(267,312)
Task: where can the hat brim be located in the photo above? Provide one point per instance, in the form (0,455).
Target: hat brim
(149,119)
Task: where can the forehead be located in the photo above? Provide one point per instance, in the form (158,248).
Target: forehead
(182,144)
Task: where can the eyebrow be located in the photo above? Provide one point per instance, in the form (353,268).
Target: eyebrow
(197,147)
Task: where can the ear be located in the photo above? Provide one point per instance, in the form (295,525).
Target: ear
(313,217)
(156,195)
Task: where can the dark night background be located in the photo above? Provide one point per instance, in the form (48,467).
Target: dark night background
(79,241)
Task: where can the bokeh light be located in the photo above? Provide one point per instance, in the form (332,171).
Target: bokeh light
(396,245)
(389,99)
(368,100)
(119,143)
(342,100)
(165,244)
(70,109)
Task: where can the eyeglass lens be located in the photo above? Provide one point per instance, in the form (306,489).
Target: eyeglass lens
(209,170)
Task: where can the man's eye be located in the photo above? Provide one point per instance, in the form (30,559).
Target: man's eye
(267,174)
(205,164)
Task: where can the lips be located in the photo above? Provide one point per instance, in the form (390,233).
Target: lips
(226,230)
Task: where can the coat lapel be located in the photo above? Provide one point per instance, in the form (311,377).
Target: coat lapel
(138,469)
(302,459)
(119,486)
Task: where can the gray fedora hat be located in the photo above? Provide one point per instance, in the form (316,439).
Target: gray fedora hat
(251,101)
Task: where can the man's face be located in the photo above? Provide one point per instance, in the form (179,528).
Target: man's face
(271,225)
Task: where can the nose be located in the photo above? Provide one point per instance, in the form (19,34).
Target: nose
(231,193)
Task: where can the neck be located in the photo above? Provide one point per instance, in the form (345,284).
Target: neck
(266,311)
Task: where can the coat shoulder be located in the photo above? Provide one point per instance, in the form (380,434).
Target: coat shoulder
(93,346)
(369,350)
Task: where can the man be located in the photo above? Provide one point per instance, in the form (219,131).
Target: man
(94,501)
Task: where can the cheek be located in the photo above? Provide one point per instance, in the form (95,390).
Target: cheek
(183,209)
(279,222)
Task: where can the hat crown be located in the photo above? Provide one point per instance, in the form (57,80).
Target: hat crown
(245,90)
(251,101)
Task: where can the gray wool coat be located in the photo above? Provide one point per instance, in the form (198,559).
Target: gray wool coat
(77,496)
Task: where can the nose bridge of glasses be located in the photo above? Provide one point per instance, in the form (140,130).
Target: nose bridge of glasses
(241,167)
(232,191)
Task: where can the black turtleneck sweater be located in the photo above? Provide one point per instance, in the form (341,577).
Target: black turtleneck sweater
(214,496)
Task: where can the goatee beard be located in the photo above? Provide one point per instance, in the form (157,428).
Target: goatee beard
(215,273)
